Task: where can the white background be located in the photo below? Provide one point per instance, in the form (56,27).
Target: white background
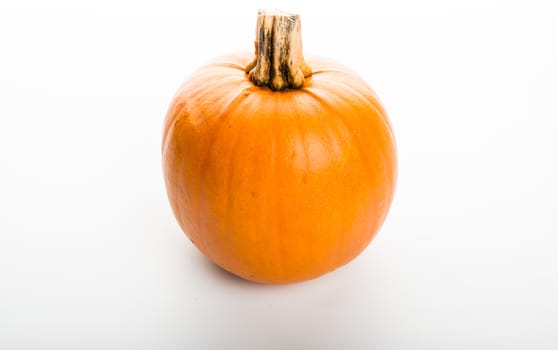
(92,258)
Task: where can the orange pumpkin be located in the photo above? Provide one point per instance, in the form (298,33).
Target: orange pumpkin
(278,169)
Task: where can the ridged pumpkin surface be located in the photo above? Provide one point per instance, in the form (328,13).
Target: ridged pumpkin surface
(278,186)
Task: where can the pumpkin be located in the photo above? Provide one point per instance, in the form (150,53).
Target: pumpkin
(279,169)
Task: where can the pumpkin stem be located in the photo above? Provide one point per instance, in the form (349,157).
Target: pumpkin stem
(279,63)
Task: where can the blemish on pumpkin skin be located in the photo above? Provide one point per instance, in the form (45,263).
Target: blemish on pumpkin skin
(291,155)
(253,194)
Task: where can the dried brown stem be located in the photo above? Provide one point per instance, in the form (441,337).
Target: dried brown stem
(279,63)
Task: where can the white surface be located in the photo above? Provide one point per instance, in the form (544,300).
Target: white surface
(92,258)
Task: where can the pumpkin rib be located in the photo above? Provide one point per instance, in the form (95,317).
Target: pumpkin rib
(230,65)
(333,260)
(374,102)
(353,139)
(248,135)
(356,143)
(205,160)
(380,112)
(386,126)
(346,137)
(228,222)
(333,133)
(375,105)
(280,263)
(173,116)
(175,123)
(344,122)
(170,126)
(302,141)
(324,66)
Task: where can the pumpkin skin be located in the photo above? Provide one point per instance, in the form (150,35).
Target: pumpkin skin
(278,186)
